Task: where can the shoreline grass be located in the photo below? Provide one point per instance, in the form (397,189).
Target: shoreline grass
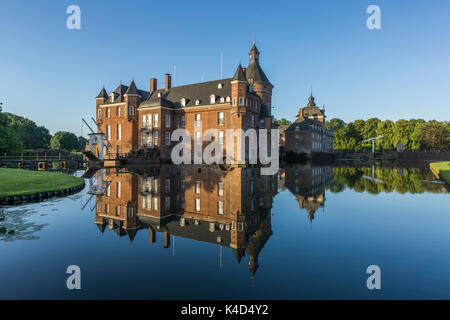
(442,170)
(15,182)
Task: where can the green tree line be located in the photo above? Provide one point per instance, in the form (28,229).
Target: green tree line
(406,180)
(18,133)
(414,134)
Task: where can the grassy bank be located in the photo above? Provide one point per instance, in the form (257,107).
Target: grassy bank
(14,182)
(442,170)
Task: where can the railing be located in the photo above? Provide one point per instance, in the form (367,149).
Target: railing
(39,156)
(113,156)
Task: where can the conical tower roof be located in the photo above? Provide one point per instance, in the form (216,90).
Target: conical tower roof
(132,88)
(102,94)
(239,74)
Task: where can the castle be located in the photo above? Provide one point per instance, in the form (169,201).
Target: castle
(135,120)
(308,134)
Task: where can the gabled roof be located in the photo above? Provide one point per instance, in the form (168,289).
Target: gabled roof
(239,74)
(191,92)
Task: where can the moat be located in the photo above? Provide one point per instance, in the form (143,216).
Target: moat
(199,232)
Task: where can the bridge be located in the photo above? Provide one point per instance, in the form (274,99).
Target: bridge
(40,159)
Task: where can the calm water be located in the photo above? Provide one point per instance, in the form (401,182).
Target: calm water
(309,232)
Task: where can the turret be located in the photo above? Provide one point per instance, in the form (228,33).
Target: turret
(259,81)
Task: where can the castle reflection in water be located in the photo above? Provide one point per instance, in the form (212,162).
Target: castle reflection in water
(203,203)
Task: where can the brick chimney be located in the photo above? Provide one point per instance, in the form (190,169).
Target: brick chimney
(168,81)
(153,85)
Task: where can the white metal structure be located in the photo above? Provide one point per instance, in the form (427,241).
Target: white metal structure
(97,138)
(373,142)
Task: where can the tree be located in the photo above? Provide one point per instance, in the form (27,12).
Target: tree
(435,135)
(385,129)
(401,133)
(32,136)
(8,138)
(82,143)
(63,140)
(370,128)
(281,122)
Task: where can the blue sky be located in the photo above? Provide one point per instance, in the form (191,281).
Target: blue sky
(51,74)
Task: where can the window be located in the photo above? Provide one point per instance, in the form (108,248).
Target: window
(168,118)
(108,190)
(155,203)
(155,138)
(220,137)
(108,132)
(197,187)
(234,102)
(212,98)
(220,120)
(252,204)
(167,185)
(99,113)
(118,111)
(183,102)
(253,121)
(220,188)
(197,120)
(107,208)
(144,121)
(220,86)
(197,102)
(167,138)
(261,123)
(131,110)
(197,204)
(155,186)
(118,211)
(119,132)
(182,185)
(252,187)
(182,202)
(228,99)
(256,104)
(183,121)
(167,203)
(222,100)
(118,190)
(241,101)
(156,120)
(107,112)
(220,207)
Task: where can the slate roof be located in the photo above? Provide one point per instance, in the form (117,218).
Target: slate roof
(191,92)
(102,94)
(254,70)
(239,74)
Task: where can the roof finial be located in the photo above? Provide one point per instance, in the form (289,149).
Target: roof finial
(254,37)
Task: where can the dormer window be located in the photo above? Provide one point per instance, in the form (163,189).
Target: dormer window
(228,99)
(159,94)
(222,100)
(183,102)
(197,102)
(220,86)
(111,95)
(212,98)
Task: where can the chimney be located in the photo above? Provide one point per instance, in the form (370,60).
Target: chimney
(168,81)
(153,85)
